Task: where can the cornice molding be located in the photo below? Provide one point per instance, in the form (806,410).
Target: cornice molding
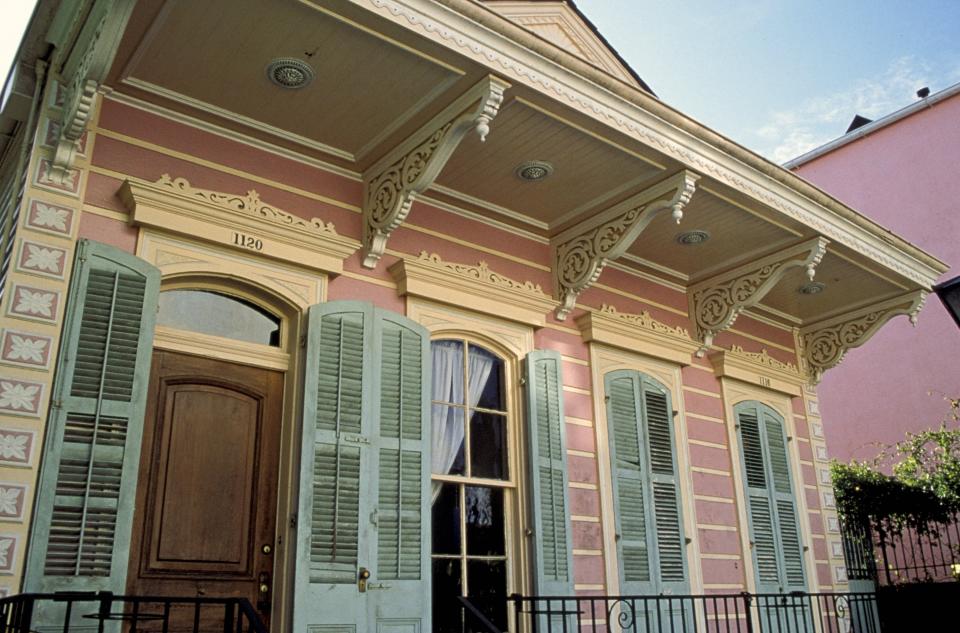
(716,303)
(758,368)
(473,287)
(240,221)
(392,183)
(471,31)
(826,343)
(581,252)
(82,74)
(639,333)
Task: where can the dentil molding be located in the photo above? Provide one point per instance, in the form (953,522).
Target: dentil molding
(826,343)
(581,252)
(717,302)
(473,287)
(392,183)
(639,333)
(239,221)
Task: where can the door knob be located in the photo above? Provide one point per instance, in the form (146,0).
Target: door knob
(362,576)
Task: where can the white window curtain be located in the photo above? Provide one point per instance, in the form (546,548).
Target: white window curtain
(448,422)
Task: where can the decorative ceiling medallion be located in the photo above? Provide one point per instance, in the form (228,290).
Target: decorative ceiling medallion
(289,72)
(692,238)
(812,288)
(533,170)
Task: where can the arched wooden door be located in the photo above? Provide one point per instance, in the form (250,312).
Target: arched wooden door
(205,519)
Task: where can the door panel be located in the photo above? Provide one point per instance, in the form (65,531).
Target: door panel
(206,497)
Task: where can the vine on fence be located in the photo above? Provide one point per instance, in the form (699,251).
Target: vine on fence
(924,487)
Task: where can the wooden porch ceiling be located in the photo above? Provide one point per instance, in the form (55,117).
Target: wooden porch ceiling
(377,83)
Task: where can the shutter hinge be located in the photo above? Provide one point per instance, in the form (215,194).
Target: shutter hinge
(522,381)
(375,517)
(56,404)
(606,398)
(293,520)
(675,413)
(303,340)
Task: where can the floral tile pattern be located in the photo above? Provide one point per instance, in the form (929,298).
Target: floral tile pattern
(16,446)
(41,259)
(25,349)
(33,303)
(8,552)
(822,453)
(12,501)
(817,430)
(833,524)
(50,218)
(70,184)
(20,397)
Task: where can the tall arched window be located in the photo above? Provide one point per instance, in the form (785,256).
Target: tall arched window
(473,482)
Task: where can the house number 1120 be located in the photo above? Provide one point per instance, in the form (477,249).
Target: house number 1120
(248,241)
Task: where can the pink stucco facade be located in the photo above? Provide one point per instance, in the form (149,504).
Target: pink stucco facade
(904,176)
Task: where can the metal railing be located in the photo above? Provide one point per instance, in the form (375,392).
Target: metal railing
(892,557)
(721,613)
(105,612)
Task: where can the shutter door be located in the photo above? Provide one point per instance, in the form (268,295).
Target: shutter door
(550,507)
(364,484)
(85,503)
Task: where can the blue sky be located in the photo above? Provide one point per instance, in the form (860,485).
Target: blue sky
(782,77)
(779,76)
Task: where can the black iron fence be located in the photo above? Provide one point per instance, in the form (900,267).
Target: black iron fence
(881,552)
(105,612)
(722,613)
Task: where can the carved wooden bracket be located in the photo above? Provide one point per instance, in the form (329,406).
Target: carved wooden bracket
(717,302)
(826,343)
(82,73)
(581,252)
(391,185)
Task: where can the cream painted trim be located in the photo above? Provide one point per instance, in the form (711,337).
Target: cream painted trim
(513,339)
(471,215)
(754,337)
(639,333)
(481,35)
(221,348)
(639,298)
(604,359)
(106,213)
(231,135)
(736,391)
(490,206)
(630,270)
(759,369)
(222,218)
(473,287)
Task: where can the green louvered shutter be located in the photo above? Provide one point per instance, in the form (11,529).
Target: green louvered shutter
(82,524)
(651,542)
(774,528)
(365,483)
(547,444)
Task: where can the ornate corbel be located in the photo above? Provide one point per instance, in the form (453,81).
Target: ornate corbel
(82,74)
(825,343)
(717,302)
(582,251)
(391,185)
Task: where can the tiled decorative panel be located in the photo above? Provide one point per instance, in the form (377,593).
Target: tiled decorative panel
(21,397)
(8,552)
(817,430)
(33,303)
(41,259)
(821,452)
(50,218)
(12,501)
(17,446)
(833,524)
(69,184)
(25,349)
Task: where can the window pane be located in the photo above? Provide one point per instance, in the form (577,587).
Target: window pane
(487,581)
(217,314)
(485,529)
(488,445)
(447,371)
(486,379)
(446,519)
(447,588)
(448,440)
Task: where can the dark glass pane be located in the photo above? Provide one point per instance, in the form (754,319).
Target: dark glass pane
(488,392)
(487,581)
(446,518)
(448,440)
(488,445)
(217,314)
(485,529)
(447,588)
(447,371)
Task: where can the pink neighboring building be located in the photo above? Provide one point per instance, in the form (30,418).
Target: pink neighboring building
(903,171)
